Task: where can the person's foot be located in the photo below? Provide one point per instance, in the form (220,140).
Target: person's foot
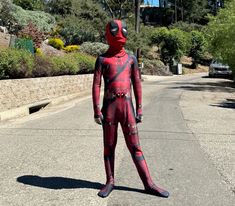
(154,190)
(106,190)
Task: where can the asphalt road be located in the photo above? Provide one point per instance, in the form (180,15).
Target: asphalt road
(54,157)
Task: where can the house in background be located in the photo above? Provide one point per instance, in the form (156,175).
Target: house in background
(164,3)
(155,12)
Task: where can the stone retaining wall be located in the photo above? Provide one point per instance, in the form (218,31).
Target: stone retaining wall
(4,40)
(20,92)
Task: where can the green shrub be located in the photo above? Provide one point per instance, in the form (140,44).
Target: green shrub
(43,66)
(6,17)
(86,63)
(76,36)
(86,21)
(56,43)
(72,48)
(198,46)
(172,44)
(187,27)
(155,67)
(44,21)
(29,4)
(76,31)
(64,65)
(15,18)
(75,63)
(94,48)
(159,35)
(15,63)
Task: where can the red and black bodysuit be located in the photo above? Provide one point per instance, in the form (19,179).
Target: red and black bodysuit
(120,71)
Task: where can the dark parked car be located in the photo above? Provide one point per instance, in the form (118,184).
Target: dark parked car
(219,69)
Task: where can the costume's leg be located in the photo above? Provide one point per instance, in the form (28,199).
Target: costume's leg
(130,131)
(110,141)
(132,142)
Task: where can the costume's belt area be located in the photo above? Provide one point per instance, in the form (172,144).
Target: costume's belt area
(114,95)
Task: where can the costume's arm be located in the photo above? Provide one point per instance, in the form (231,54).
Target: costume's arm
(136,81)
(96,88)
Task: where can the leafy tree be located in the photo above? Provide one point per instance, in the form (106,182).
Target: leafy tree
(141,40)
(192,11)
(117,8)
(198,45)
(221,32)
(215,5)
(173,44)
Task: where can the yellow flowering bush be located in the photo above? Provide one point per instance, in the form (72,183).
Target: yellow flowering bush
(72,48)
(56,43)
(38,51)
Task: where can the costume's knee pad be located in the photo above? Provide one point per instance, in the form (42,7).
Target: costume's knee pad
(132,140)
(136,152)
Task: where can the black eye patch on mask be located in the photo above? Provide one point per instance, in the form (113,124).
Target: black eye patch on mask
(113,28)
(124,29)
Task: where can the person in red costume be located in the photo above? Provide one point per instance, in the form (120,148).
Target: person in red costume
(120,71)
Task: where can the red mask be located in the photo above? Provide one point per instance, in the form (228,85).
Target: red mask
(116,34)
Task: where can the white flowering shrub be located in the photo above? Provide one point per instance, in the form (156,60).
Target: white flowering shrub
(94,48)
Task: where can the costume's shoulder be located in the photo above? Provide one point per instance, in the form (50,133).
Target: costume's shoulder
(100,59)
(132,57)
(99,62)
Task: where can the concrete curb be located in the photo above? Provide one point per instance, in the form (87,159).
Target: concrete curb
(26,109)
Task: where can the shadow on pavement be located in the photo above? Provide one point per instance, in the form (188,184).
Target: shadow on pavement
(228,104)
(66,183)
(222,86)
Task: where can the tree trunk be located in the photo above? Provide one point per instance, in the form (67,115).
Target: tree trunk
(175,11)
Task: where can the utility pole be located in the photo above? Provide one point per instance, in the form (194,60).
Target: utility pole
(137,16)
(137,30)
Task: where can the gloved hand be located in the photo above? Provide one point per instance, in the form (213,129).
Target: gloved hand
(139,118)
(99,119)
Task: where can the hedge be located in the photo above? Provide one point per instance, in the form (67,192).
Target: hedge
(16,63)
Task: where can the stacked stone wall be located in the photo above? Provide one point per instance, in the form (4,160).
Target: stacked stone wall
(21,92)
(4,40)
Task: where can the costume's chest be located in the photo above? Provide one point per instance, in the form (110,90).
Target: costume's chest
(120,68)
